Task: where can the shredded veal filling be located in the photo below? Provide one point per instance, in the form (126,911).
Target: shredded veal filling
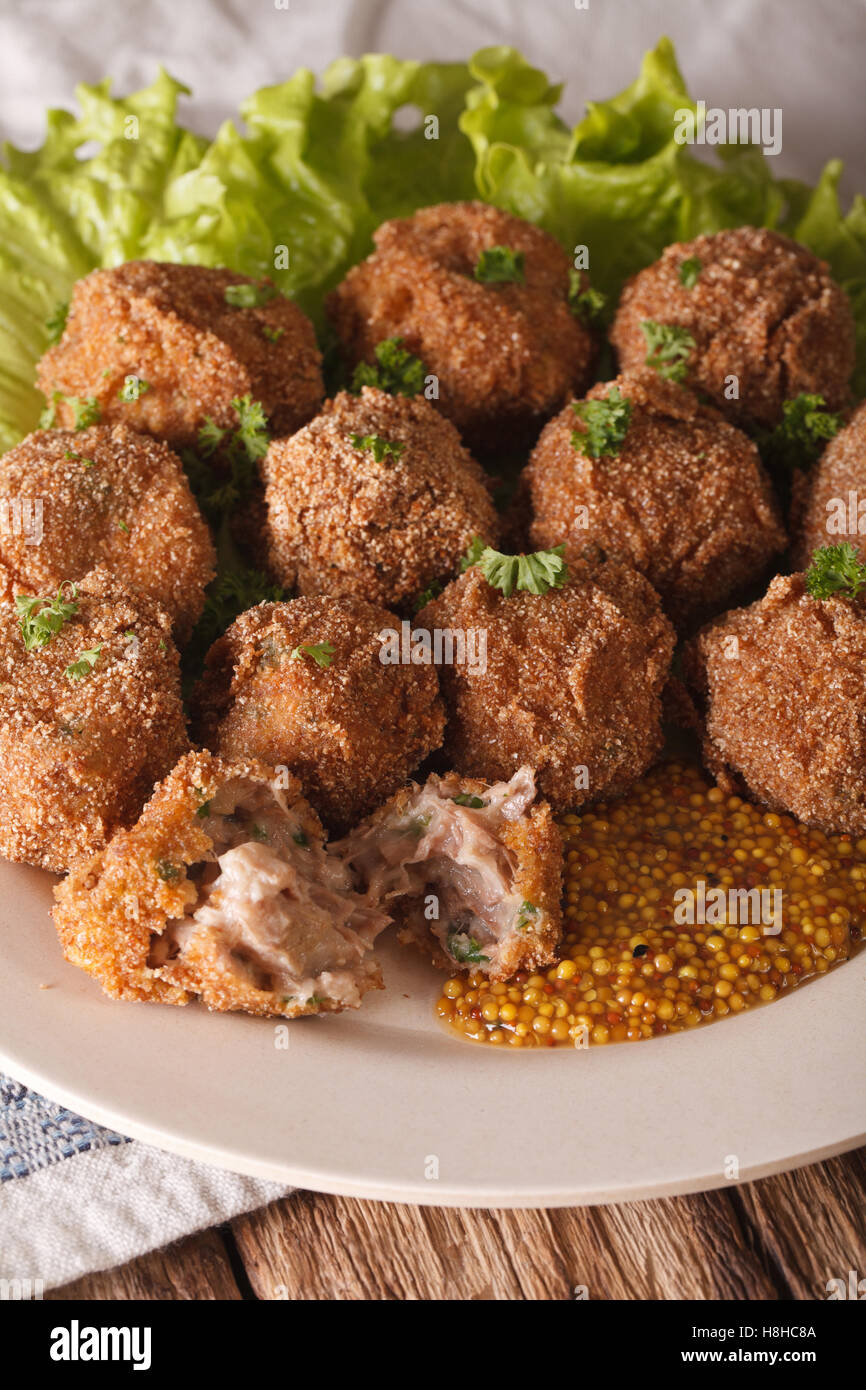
(442,856)
(279,911)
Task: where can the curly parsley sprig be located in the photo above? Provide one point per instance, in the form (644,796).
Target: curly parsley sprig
(500,265)
(800,436)
(41,617)
(668,349)
(587,305)
(376,445)
(395,370)
(320,652)
(605,423)
(835,569)
(533,574)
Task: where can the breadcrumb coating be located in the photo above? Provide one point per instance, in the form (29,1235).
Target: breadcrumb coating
(78,757)
(109,497)
(170,326)
(686,499)
(572,685)
(527,867)
(352,730)
(826,498)
(116,911)
(506,355)
(781,684)
(763,309)
(341,523)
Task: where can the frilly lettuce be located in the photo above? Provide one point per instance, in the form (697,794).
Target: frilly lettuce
(317,168)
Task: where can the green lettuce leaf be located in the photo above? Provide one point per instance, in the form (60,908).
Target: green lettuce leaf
(315,169)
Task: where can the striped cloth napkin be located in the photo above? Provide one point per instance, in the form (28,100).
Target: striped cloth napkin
(76,1198)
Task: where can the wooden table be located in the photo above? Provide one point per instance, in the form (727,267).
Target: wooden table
(781,1238)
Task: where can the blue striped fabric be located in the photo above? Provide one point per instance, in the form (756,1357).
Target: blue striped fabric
(35,1132)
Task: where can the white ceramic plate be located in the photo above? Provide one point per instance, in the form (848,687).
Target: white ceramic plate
(373,1103)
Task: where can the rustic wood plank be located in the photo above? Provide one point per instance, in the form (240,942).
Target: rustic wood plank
(812,1222)
(312,1246)
(196,1268)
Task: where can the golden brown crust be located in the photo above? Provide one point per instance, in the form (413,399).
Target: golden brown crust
(339,523)
(533,843)
(686,500)
(79,757)
(111,907)
(110,497)
(170,326)
(763,309)
(782,687)
(822,497)
(506,356)
(352,732)
(573,681)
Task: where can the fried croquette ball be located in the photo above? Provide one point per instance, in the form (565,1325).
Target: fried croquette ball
(376,498)
(833,503)
(158,347)
(303,685)
(490,856)
(109,497)
(757,307)
(781,686)
(88,721)
(681,495)
(223,890)
(568,682)
(507,354)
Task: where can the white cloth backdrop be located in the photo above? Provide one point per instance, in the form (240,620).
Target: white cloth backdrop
(805,56)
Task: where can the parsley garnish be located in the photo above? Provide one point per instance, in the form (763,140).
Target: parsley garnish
(536,573)
(56,324)
(835,569)
(123,527)
(467,799)
(217,495)
(316,999)
(322,653)
(273,335)
(465,949)
(84,412)
(84,665)
(230,594)
(668,348)
(690,270)
(250,437)
(432,591)
(800,436)
(133,388)
(49,414)
(203,809)
(248,296)
(259,833)
(395,370)
(474,551)
(41,618)
(167,871)
(499,265)
(76,458)
(377,446)
(524,917)
(418,824)
(606,424)
(587,305)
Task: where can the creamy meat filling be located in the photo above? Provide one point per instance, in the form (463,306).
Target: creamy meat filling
(439,863)
(273,909)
